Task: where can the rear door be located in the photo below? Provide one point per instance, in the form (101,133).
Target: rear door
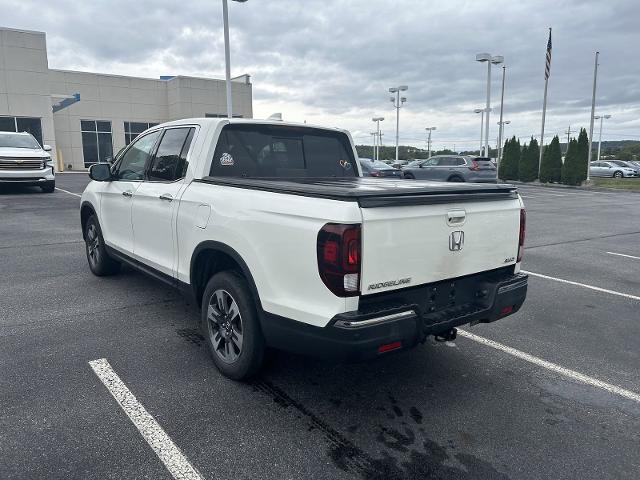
(481,169)
(428,243)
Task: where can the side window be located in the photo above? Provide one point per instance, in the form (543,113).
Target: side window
(459,161)
(432,162)
(170,161)
(444,161)
(131,166)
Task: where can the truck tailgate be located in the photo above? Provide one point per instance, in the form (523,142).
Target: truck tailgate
(404,246)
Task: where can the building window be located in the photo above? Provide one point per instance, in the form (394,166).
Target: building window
(220,115)
(97,144)
(133,129)
(22,124)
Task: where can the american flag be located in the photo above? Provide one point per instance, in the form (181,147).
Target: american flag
(547,67)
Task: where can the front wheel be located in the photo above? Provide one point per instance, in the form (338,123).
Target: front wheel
(230,325)
(618,174)
(100,263)
(456,179)
(409,176)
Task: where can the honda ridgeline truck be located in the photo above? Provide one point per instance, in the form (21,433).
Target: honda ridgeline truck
(270,227)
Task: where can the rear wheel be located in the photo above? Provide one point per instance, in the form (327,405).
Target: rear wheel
(455,178)
(230,325)
(409,176)
(49,187)
(100,263)
(618,174)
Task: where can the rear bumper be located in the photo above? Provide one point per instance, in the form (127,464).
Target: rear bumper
(402,320)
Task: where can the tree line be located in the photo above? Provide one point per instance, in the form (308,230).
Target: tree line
(521,162)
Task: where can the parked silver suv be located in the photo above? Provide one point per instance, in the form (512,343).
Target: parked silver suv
(23,161)
(453,168)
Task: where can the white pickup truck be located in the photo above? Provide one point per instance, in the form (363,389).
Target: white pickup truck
(270,227)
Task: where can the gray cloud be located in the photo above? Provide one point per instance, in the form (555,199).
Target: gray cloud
(332,62)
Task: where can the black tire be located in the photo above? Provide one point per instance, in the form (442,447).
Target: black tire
(49,187)
(618,174)
(100,263)
(455,178)
(235,341)
(409,176)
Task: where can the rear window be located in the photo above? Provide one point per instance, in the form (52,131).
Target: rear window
(275,151)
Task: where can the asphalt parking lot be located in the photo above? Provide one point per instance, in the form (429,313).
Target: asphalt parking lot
(551,392)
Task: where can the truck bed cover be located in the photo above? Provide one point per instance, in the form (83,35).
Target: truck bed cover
(373,192)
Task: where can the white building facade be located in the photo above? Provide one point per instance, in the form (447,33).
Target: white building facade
(89,117)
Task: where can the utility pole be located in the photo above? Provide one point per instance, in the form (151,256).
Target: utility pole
(593,108)
(429,130)
(374,136)
(568,132)
(600,117)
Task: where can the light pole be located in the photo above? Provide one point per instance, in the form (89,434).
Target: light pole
(501,123)
(429,129)
(481,110)
(501,132)
(593,108)
(398,101)
(227,55)
(378,139)
(601,118)
(491,60)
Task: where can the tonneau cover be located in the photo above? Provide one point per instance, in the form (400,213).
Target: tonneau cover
(373,192)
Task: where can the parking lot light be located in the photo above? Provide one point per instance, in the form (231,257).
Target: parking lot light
(491,60)
(227,55)
(601,118)
(397,103)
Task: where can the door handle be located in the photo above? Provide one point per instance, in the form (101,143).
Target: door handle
(127,193)
(167,197)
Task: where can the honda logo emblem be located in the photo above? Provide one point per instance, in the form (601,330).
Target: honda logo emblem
(456,240)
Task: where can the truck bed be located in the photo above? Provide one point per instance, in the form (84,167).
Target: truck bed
(373,192)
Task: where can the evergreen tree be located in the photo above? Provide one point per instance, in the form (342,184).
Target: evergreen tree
(574,169)
(522,169)
(510,160)
(551,168)
(528,171)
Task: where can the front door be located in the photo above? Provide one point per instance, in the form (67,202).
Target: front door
(155,203)
(117,195)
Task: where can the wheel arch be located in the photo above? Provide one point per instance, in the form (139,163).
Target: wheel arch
(456,175)
(86,210)
(211,257)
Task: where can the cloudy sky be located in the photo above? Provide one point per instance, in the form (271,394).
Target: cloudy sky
(331,62)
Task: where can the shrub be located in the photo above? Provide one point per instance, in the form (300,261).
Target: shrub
(551,168)
(574,169)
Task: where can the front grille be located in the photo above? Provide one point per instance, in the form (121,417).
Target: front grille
(21,163)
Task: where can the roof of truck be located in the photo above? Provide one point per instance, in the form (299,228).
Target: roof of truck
(216,121)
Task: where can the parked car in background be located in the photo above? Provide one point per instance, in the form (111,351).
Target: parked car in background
(612,168)
(453,168)
(23,161)
(622,163)
(399,163)
(635,163)
(376,168)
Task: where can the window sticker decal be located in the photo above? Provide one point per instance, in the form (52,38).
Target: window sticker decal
(345,164)
(226,159)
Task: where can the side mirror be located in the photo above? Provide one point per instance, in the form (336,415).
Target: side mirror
(100,172)
(46,148)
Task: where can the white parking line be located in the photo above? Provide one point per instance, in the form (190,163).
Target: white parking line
(156,437)
(70,193)
(580,377)
(624,255)
(591,287)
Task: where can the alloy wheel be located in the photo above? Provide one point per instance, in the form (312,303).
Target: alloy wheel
(225,326)
(93,244)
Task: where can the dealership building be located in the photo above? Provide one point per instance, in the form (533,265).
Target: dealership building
(87,117)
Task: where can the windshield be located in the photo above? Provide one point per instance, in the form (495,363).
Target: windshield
(17,140)
(277,151)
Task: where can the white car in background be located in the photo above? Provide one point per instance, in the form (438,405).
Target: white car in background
(23,161)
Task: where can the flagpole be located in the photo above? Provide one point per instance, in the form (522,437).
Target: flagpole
(544,114)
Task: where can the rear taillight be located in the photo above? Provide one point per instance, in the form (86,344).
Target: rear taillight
(523,224)
(339,258)
(475,166)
